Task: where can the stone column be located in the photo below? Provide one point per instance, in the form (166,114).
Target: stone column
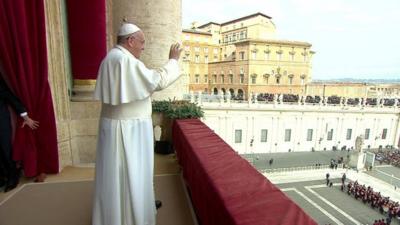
(221,97)
(161,22)
(228,97)
(378,102)
(192,97)
(57,72)
(199,101)
(397,134)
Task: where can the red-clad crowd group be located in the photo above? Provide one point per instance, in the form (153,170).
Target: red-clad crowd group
(368,196)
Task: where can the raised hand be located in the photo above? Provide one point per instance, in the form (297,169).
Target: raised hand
(175,51)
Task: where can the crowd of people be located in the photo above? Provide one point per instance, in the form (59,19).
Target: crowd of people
(266,97)
(368,196)
(331,100)
(380,222)
(335,162)
(238,97)
(389,157)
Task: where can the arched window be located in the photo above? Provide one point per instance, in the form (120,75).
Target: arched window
(232,91)
(302,79)
(290,78)
(240,93)
(223,91)
(278,78)
(241,78)
(266,78)
(254,78)
(215,91)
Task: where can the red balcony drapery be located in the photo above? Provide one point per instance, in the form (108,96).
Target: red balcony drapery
(23,58)
(225,188)
(87,36)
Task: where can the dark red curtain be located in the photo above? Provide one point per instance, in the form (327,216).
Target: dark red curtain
(87,36)
(23,58)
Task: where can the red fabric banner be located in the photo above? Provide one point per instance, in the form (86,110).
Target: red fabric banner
(87,36)
(23,58)
(225,188)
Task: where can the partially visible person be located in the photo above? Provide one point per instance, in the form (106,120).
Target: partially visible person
(124,192)
(327,179)
(9,173)
(343,178)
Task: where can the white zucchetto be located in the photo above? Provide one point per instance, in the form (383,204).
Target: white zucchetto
(127,28)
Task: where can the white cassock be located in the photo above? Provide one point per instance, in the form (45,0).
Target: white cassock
(124,193)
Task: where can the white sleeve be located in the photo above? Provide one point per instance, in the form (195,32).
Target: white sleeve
(123,78)
(169,73)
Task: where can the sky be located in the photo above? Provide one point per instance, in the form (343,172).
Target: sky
(352,38)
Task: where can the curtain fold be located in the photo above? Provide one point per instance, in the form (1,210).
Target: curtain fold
(23,58)
(87,36)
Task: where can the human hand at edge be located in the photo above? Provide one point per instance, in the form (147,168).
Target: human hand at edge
(175,51)
(33,124)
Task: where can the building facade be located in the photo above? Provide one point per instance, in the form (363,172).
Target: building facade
(247,58)
(243,57)
(198,51)
(271,128)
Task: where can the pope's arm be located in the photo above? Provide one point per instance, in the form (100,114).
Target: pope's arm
(170,72)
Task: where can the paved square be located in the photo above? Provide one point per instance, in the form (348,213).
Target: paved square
(329,205)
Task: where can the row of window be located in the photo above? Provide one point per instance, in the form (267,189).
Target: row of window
(241,56)
(267,53)
(267,56)
(309,137)
(197,58)
(222,77)
(241,79)
(235,36)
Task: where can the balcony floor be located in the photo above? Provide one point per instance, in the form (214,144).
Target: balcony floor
(66,198)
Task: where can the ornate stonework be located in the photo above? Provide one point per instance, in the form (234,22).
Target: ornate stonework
(58,77)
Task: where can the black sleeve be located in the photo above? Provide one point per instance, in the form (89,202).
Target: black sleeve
(10,98)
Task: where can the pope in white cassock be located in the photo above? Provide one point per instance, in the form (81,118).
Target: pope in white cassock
(124,193)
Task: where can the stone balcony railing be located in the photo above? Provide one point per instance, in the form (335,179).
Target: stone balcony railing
(206,100)
(224,187)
